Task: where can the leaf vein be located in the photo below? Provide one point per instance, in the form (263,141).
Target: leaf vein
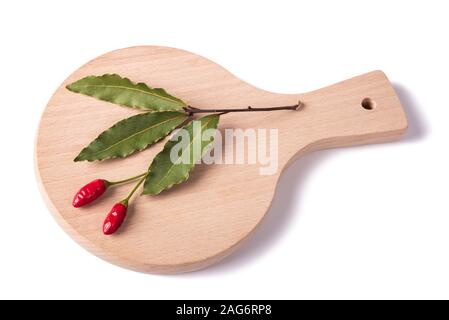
(137,133)
(131,89)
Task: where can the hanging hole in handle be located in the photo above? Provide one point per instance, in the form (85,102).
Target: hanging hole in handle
(368,104)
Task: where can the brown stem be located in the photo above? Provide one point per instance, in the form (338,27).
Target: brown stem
(191,110)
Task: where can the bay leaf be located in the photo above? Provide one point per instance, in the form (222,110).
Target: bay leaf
(167,169)
(132,134)
(122,91)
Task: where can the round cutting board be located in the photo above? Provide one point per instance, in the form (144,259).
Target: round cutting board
(201,221)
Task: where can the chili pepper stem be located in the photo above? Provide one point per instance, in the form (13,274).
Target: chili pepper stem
(126,200)
(111,183)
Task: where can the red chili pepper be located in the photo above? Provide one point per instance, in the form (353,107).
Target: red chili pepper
(115,218)
(90,192)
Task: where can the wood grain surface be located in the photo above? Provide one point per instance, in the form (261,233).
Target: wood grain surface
(199,222)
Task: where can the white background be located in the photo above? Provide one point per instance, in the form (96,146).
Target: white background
(364,222)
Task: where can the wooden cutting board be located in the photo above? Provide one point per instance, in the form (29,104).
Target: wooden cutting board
(199,222)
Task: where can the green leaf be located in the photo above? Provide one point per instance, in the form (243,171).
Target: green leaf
(164,172)
(132,134)
(113,88)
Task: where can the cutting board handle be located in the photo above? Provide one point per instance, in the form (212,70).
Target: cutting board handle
(364,109)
